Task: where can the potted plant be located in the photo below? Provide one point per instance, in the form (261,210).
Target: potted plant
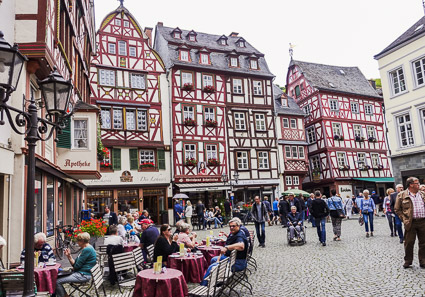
(359,138)
(209,89)
(189,122)
(95,227)
(344,167)
(364,168)
(210,123)
(147,165)
(247,206)
(187,87)
(372,139)
(191,162)
(213,162)
(338,137)
(378,167)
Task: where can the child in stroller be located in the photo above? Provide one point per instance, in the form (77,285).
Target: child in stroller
(295,229)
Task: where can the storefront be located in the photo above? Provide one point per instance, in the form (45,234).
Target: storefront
(211,194)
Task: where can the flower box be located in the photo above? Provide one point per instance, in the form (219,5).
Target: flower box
(364,168)
(338,137)
(344,168)
(359,138)
(209,89)
(187,87)
(213,162)
(191,162)
(189,122)
(105,164)
(210,123)
(379,167)
(372,139)
(147,165)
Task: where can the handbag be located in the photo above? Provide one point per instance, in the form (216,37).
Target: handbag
(365,211)
(361,221)
(337,213)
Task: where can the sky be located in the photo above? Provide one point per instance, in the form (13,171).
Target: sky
(334,32)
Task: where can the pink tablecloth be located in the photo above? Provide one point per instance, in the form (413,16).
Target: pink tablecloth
(129,247)
(45,278)
(217,242)
(209,252)
(168,284)
(193,267)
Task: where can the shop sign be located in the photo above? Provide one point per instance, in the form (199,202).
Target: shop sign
(79,164)
(316,177)
(199,179)
(345,190)
(260,182)
(126,177)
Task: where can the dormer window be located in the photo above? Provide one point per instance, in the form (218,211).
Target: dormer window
(177,35)
(240,43)
(253,63)
(184,55)
(192,38)
(234,62)
(223,41)
(284,102)
(204,59)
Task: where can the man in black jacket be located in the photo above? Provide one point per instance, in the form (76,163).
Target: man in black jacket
(319,211)
(200,214)
(110,216)
(283,210)
(260,216)
(398,223)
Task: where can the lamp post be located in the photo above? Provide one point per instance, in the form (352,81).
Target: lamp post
(225,179)
(56,92)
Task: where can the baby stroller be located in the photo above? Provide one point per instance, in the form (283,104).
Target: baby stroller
(299,237)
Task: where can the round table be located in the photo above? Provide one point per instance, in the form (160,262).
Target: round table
(216,242)
(209,252)
(192,267)
(45,278)
(129,247)
(168,284)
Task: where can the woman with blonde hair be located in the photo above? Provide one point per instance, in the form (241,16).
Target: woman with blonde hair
(388,212)
(188,212)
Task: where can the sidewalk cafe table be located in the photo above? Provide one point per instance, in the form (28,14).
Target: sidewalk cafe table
(193,267)
(129,247)
(45,278)
(209,252)
(216,242)
(171,283)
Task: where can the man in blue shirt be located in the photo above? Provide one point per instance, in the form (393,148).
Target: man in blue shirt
(275,211)
(40,245)
(178,211)
(149,235)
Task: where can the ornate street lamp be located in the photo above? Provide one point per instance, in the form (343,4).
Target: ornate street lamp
(56,92)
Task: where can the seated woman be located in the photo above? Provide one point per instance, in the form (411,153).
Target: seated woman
(81,266)
(186,238)
(165,245)
(122,222)
(129,228)
(218,218)
(294,222)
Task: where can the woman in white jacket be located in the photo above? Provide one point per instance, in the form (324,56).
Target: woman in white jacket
(348,207)
(188,213)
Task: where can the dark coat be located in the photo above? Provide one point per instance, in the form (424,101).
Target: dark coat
(319,208)
(294,218)
(297,203)
(283,207)
(264,212)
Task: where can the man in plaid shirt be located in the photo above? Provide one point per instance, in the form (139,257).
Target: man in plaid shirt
(410,207)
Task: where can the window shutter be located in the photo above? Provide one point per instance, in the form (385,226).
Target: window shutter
(134,162)
(161,159)
(64,139)
(116,159)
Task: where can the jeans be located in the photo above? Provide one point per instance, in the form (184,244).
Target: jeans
(76,277)
(368,219)
(200,220)
(261,235)
(240,264)
(398,227)
(321,229)
(391,222)
(312,220)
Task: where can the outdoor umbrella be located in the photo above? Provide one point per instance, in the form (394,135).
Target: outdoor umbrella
(296,192)
(180,196)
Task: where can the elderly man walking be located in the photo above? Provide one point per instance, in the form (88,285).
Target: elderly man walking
(410,207)
(260,216)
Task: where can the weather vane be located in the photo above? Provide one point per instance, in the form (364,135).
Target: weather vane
(291,49)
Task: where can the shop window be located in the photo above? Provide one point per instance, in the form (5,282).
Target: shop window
(50,205)
(38,203)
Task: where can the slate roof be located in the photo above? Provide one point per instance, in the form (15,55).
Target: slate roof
(81,105)
(336,78)
(168,48)
(416,30)
(291,109)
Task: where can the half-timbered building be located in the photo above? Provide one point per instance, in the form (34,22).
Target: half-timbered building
(222,116)
(291,140)
(129,86)
(344,128)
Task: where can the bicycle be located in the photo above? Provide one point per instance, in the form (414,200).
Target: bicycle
(66,242)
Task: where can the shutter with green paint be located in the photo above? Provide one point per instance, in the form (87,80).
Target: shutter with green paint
(161,159)
(64,139)
(116,159)
(134,162)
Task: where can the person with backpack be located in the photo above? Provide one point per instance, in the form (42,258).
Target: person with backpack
(367,209)
(319,211)
(337,213)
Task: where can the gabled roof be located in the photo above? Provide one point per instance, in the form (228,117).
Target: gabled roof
(336,78)
(417,30)
(122,10)
(81,105)
(291,109)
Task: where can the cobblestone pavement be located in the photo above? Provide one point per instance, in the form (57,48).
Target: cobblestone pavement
(355,266)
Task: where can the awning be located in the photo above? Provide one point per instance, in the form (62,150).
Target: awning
(201,187)
(40,164)
(376,179)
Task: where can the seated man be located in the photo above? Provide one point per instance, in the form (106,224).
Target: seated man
(294,222)
(40,245)
(149,235)
(236,241)
(113,238)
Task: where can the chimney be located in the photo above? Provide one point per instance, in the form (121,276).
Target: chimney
(234,34)
(372,83)
(160,24)
(148,32)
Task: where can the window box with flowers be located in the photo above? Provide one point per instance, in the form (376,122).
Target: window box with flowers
(209,89)
(189,122)
(147,166)
(344,168)
(338,137)
(210,123)
(378,167)
(364,168)
(191,162)
(359,138)
(372,139)
(213,162)
(187,87)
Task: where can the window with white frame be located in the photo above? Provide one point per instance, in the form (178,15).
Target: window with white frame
(177,35)
(241,43)
(138,81)
(301,152)
(142,120)
(284,102)
(187,78)
(296,180)
(254,64)
(288,180)
(422,115)
(209,114)
(233,61)
(341,159)
(122,48)
(189,151)
(334,105)
(285,123)
(117,116)
(258,87)
(126,24)
(242,159)
(293,124)
(188,112)
(371,132)
(80,134)
(288,152)
(263,160)
(132,51)
(260,122)
(405,131)
(184,55)
(237,86)
(130,119)
(398,83)
(223,41)
(105,114)
(374,160)
(111,48)
(357,129)
(147,156)
(294,150)
(117,22)
(107,77)
(240,123)
(336,129)
(205,59)
(192,37)
(211,151)
(207,80)
(368,109)
(361,159)
(419,69)
(307,109)
(354,107)
(315,163)
(311,135)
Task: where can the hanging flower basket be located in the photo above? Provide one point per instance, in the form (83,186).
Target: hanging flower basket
(359,138)
(344,168)
(213,162)
(191,162)
(187,87)
(210,123)
(372,139)
(364,168)
(338,137)
(209,89)
(189,122)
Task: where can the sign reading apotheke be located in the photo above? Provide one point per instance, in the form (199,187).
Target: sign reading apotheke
(345,190)
(79,163)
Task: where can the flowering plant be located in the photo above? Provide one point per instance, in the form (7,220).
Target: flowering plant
(338,137)
(191,162)
(189,122)
(187,87)
(210,123)
(359,138)
(247,206)
(105,161)
(344,167)
(213,162)
(364,167)
(147,165)
(378,167)
(209,89)
(94,227)
(372,139)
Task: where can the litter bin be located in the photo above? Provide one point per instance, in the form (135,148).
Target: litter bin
(85,214)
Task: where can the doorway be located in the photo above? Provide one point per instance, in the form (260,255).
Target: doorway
(154,201)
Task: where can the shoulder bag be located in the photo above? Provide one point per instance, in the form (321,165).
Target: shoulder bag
(337,213)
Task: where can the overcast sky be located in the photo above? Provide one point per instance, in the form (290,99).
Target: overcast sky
(334,32)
